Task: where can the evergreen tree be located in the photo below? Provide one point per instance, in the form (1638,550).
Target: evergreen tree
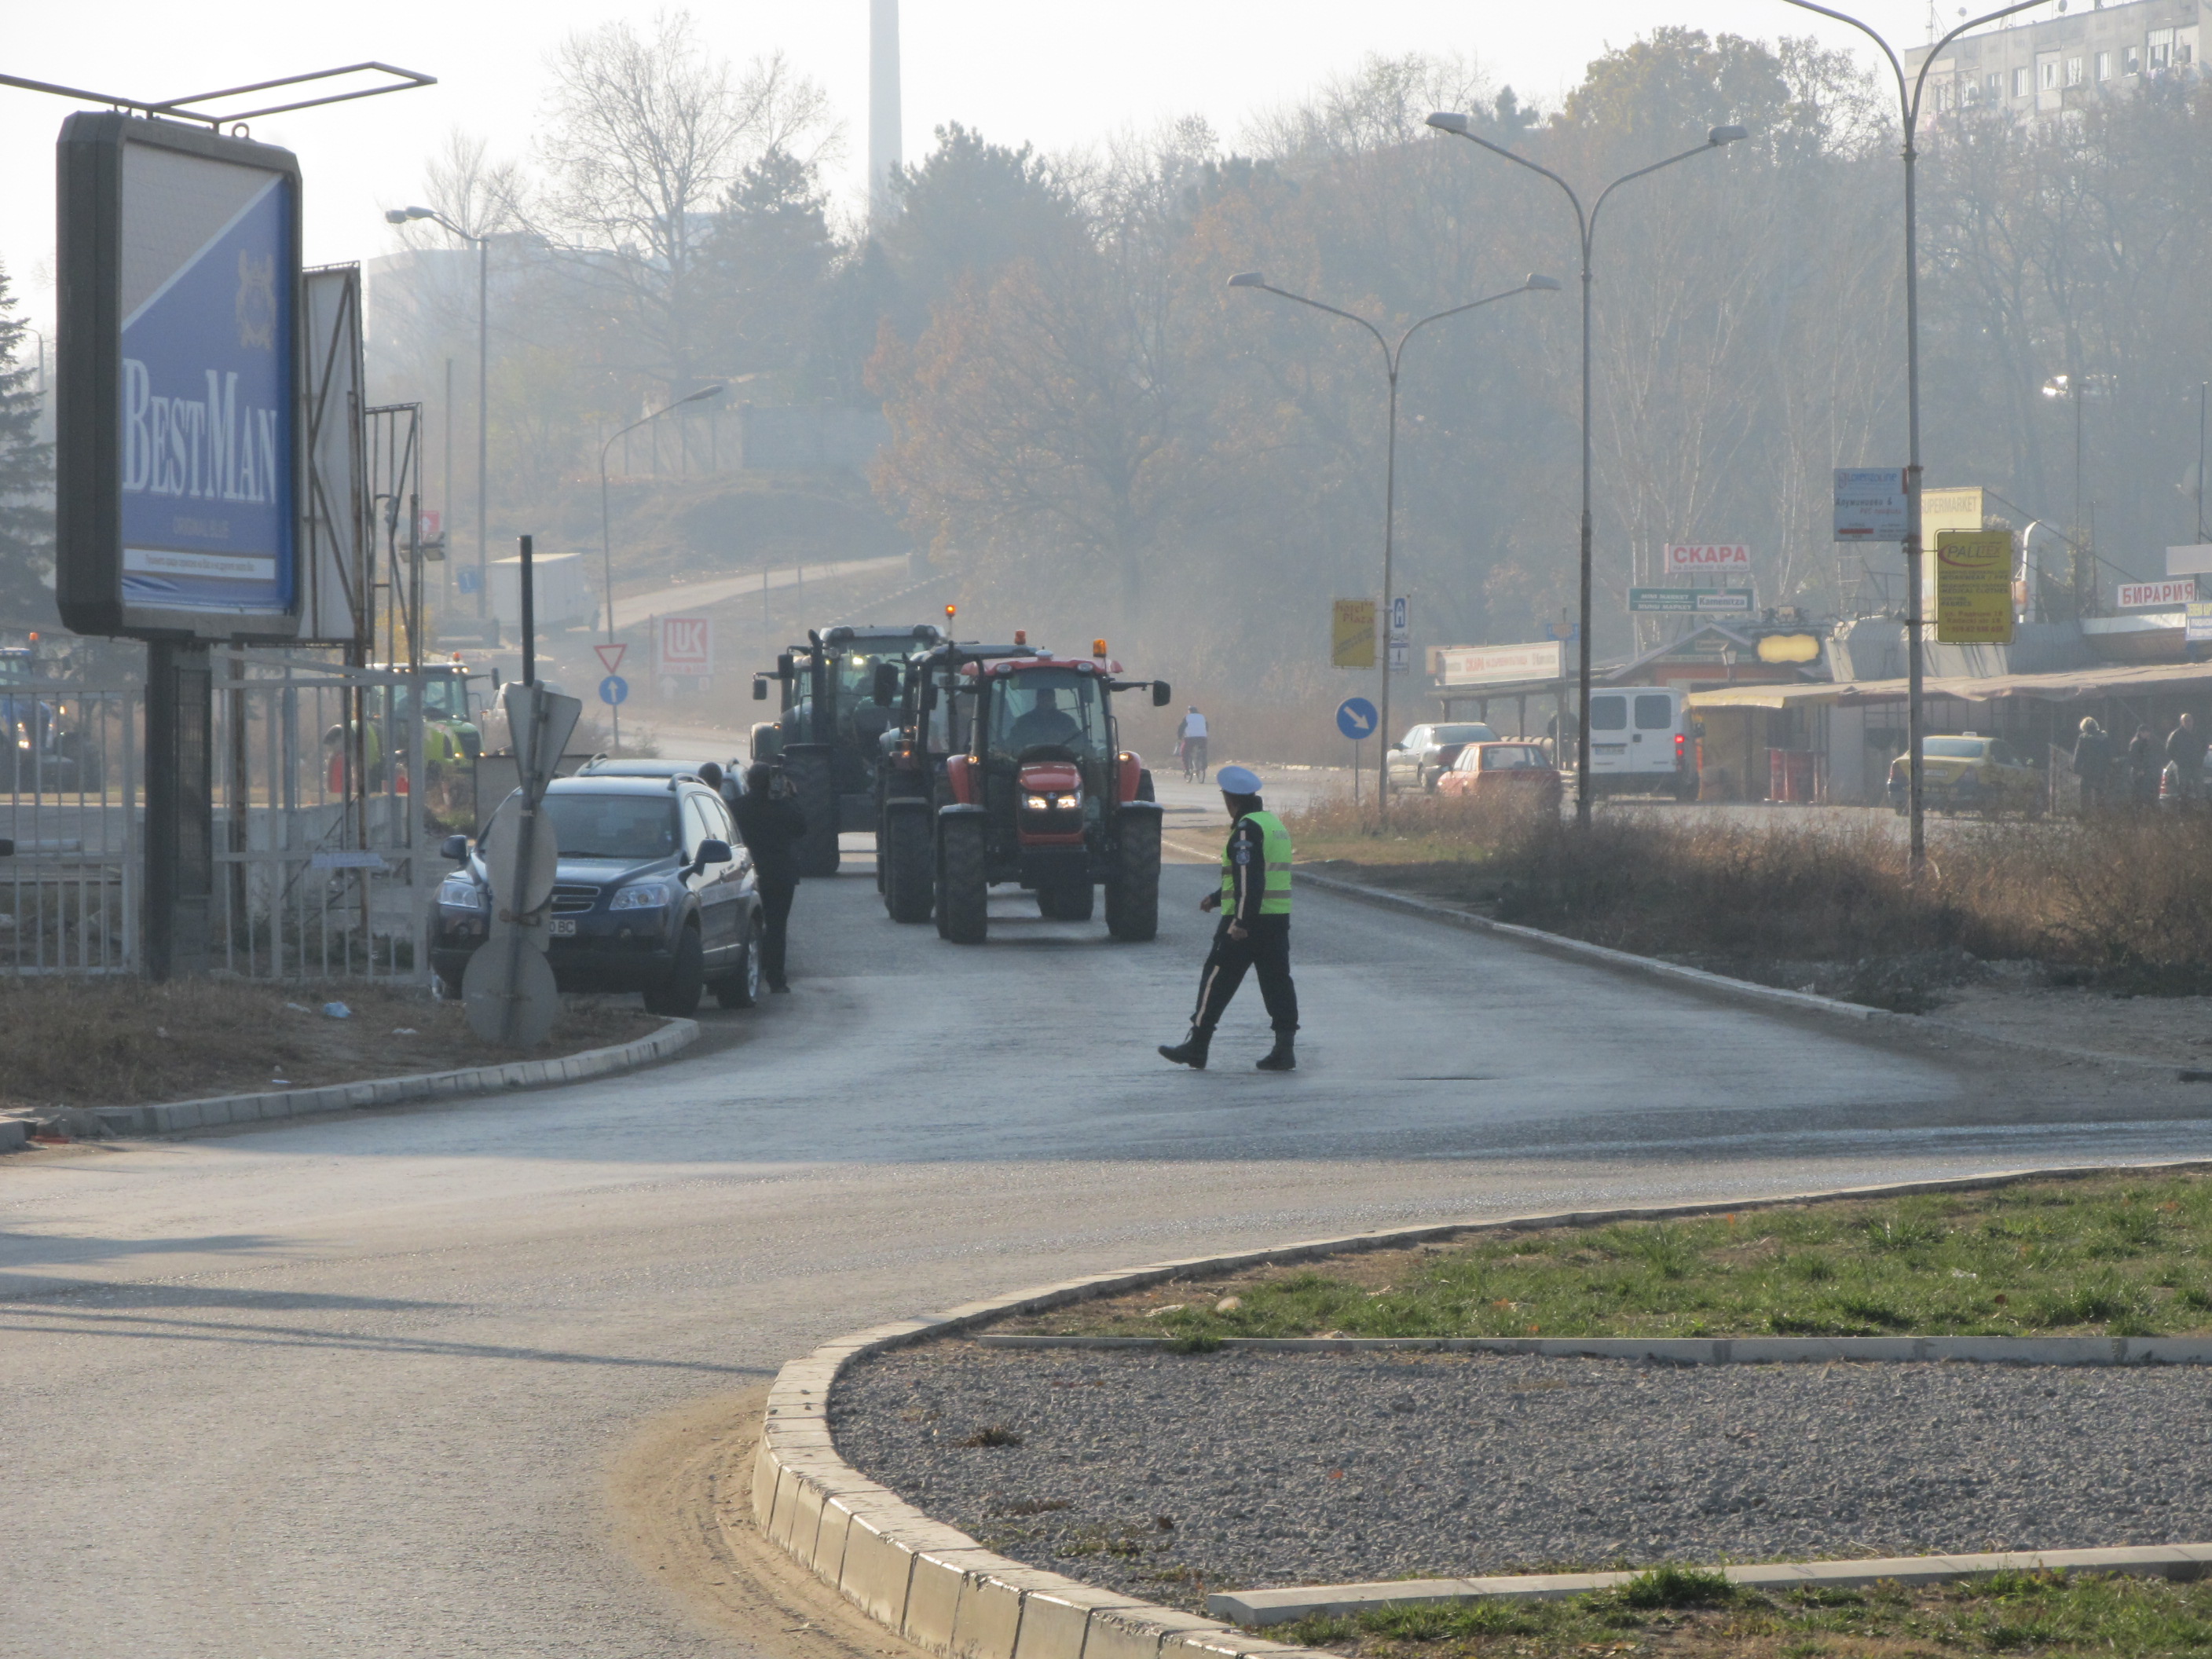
(26,514)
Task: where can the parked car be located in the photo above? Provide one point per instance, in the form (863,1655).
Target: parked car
(652,893)
(1643,742)
(1969,772)
(1426,753)
(604,766)
(1503,770)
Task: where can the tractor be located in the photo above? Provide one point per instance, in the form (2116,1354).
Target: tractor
(829,738)
(1005,766)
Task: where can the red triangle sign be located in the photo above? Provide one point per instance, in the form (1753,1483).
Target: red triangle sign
(610,655)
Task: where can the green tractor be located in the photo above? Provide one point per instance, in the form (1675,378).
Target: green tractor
(829,738)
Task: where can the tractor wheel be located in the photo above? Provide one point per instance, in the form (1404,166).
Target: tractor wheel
(814,790)
(1067,902)
(908,858)
(1132,895)
(963,891)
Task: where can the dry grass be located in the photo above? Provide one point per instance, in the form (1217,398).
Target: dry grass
(2127,899)
(124,1042)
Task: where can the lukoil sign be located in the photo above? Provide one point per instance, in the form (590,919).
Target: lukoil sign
(1708,559)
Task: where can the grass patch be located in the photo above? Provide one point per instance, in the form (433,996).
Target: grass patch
(2121,1255)
(2012,1613)
(2127,900)
(80,1043)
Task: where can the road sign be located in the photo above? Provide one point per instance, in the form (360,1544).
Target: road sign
(2157,596)
(1698,601)
(610,656)
(1871,503)
(687,646)
(2196,622)
(508,990)
(466,581)
(1401,656)
(540,722)
(521,875)
(1564,631)
(1352,634)
(1401,624)
(1973,586)
(1357,718)
(614,690)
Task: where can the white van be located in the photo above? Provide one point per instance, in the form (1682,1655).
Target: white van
(1642,742)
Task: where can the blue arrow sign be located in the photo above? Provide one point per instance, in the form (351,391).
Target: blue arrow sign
(1356,718)
(614,689)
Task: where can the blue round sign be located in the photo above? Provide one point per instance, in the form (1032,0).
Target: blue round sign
(614,689)
(1357,718)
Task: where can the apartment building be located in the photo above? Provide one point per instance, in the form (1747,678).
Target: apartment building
(2040,71)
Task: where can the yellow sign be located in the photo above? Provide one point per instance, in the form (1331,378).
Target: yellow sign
(1789,647)
(1973,586)
(1352,634)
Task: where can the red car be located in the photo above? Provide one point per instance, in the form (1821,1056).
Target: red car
(1495,771)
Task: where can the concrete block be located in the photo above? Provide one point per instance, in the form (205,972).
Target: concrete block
(15,1135)
(838,1510)
(766,1470)
(1137,1632)
(932,1596)
(1221,1642)
(988,1622)
(798,1522)
(1054,1622)
(878,1569)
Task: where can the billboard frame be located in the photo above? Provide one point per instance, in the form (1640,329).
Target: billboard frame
(89,387)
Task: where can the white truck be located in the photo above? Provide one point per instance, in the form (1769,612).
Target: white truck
(1643,742)
(566,596)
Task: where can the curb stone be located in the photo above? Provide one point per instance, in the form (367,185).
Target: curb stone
(1703,1350)
(2183,1562)
(947,1595)
(172,1117)
(1721,985)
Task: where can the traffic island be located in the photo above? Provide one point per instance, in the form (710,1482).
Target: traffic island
(80,1058)
(1137,1491)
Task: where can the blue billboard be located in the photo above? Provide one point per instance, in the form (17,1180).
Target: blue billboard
(179,398)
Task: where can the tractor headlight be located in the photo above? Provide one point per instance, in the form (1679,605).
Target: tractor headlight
(646,896)
(1066,803)
(459,893)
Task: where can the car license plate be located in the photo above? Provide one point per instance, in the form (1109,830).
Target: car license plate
(564,927)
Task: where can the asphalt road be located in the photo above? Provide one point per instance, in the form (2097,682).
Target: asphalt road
(358,1388)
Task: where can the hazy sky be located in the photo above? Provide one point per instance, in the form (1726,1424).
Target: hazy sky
(1056,74)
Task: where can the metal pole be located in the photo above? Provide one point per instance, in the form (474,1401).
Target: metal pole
(607,564)
(529,618)
(1916,722)
(2201,388)
(1390,529)
(445,485)
(1582,621)
(484,420)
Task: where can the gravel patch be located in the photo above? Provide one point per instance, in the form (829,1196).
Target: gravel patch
(1163,1475)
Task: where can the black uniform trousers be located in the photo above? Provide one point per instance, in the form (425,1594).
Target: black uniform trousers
(1264,950)
(776,918)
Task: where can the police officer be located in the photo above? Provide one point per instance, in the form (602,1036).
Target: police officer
(771,824)
(1254,931)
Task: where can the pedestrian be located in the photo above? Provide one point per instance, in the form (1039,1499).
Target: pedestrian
(771,824)
(1254,930)
(2184,747)
(1190,744)
(2093,764)
(2143,767)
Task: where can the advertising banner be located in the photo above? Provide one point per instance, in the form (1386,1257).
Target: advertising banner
(178,401)
(1708,559)
(2196,622)
(1352,634)
(687,646)
(1871,503)
(1495,665)
(1696,601)
(2170,595)
(1973,586)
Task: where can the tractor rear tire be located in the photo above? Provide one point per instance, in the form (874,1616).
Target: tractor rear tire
(1132,894)
(814,789)
(907,864)
(963,888)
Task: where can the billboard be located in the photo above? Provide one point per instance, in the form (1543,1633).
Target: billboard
(1504,665)
(177,404)
(1700,601)
(686,646)
(1708,559)
(1872,504)
(1973,586)
(1352,634)
(2171,595)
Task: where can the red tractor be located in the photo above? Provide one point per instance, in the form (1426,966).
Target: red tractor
(1007,766)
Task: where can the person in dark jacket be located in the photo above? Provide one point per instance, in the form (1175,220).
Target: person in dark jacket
(772,825)
(1254,930)
(2093,764)
(2184,747)
(2143,767)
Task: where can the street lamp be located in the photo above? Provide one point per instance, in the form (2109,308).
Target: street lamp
(400,216)
(1908,109)
(1586,225)
(1392,357)
(606,541)
(2071,386)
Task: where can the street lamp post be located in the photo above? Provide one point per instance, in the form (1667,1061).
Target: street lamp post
(1586,226)
(1908,109)
(606,539)
(1392,358)
(400,216)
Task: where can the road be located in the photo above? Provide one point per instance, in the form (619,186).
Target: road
(632,609)
(358,1388)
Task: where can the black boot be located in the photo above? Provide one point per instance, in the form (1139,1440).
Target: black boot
(1191,1051)
(1280,1057)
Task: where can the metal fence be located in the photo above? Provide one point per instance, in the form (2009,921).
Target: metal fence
(324,854)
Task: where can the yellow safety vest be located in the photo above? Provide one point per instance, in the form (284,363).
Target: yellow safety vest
(1275,888)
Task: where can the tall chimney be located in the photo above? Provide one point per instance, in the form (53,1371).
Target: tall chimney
(883,109)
